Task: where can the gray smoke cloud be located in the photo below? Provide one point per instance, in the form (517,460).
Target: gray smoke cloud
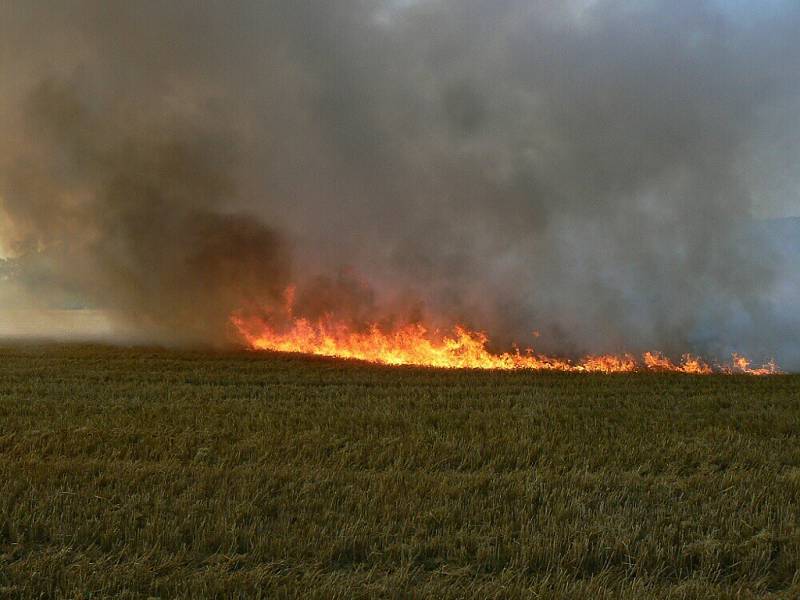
(587,169)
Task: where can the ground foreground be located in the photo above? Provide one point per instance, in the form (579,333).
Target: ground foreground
(134,473)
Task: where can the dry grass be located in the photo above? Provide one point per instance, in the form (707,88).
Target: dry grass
(147,473)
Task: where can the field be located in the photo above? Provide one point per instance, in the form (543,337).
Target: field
(140,473)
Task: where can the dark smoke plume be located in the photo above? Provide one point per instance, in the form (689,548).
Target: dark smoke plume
(587,168)
(135,222)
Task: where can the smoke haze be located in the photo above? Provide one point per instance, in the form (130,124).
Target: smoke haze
(587,169)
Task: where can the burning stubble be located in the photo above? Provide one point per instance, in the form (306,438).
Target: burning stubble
(584,169)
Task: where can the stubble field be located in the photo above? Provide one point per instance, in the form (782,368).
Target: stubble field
(140,473)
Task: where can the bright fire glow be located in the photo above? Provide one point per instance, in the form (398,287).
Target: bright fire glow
(462,348)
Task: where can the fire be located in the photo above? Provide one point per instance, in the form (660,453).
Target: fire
(742,365)
(655,361)
(462,348)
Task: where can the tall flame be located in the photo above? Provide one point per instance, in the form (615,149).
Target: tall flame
(415,344)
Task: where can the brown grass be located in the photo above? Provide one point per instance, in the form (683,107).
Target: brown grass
(138,473)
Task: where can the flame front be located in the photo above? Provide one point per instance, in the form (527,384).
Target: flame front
(415,344)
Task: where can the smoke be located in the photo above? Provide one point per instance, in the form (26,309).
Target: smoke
(588,169)
(134,220)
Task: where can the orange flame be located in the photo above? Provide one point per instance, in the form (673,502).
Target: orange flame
(742,365)
(415,344)
(655,361)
